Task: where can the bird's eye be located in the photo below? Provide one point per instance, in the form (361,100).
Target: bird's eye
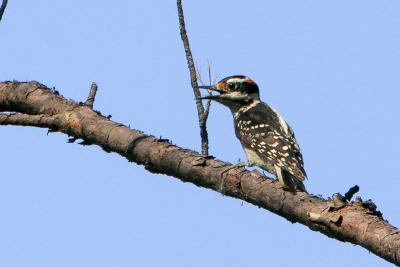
(231,86)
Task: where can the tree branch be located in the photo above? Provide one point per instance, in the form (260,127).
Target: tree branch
(3,8)
(92,95)
(357,222)
(193,79)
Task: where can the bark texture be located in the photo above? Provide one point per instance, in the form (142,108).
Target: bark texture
(357,222)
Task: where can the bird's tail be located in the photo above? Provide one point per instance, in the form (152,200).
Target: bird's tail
(291,182)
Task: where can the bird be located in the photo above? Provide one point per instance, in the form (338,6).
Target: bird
(267,139)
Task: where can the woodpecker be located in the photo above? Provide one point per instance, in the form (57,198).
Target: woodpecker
(266,138)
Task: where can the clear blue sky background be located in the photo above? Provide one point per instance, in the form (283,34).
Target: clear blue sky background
(331,68)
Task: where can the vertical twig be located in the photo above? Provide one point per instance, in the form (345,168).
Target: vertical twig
(193,79)
(92,94)
(207,111)
(2,8)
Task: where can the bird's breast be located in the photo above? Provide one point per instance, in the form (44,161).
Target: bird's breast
(254,159)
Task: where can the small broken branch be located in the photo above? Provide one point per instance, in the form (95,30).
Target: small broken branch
(92,95)
(193,79)
(349,195)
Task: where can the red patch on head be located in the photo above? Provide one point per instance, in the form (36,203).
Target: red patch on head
(249,80)
(221,85)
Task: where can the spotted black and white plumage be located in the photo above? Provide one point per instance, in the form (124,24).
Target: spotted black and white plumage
(269,143)
(266,138)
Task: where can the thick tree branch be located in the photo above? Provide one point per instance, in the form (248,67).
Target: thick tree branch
(357,222)
(193,79)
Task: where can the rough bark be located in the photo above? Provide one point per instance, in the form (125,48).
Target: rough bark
(357,222)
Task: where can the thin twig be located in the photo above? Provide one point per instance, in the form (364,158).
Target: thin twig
(200,79)
(92,94)
(207,111)
(214,81)
(193,80)
(2,8)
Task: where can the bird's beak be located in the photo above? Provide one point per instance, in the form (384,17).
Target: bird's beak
(212,88)
(212,97)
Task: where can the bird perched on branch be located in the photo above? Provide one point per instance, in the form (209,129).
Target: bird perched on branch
(266,138)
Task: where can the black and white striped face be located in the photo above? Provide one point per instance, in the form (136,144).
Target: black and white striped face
(238,88)
(234,92)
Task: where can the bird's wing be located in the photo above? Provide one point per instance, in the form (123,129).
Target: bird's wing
(265,133)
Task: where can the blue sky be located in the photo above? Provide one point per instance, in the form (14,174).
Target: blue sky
(331,68)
